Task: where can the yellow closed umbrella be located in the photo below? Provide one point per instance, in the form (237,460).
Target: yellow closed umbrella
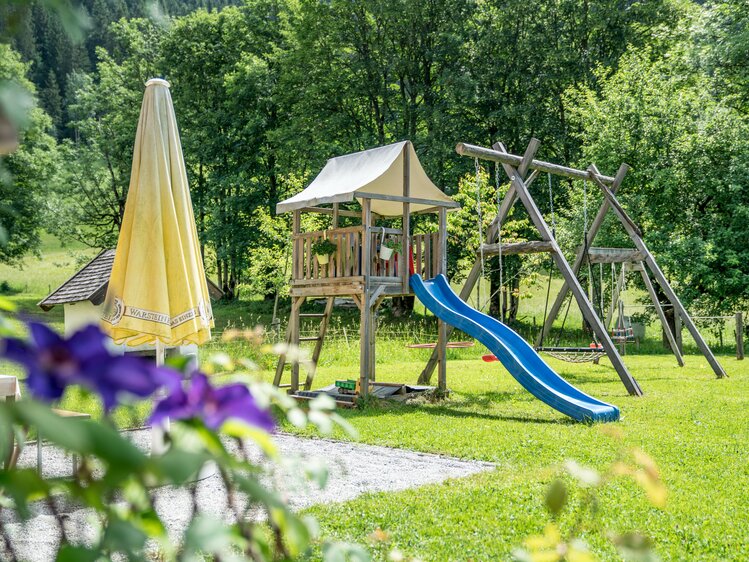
(157,290)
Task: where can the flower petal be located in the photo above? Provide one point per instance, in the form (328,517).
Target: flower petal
(44,336)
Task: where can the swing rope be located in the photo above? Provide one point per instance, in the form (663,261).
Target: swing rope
(570,354)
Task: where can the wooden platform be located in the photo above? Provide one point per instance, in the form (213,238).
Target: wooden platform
(347,286)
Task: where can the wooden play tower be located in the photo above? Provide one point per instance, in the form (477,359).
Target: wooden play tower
(385,184)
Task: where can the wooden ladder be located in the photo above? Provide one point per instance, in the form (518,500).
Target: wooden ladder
(311,366)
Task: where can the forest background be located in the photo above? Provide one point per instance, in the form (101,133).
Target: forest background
(266,90)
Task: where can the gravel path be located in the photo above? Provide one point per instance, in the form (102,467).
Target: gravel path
(353,469)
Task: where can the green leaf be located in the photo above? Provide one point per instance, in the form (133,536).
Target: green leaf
(241,430)
(316,470)
(179,362)
(295,530)
(178,466)
(70,553)
(344,552)
(23,486)
(257,492)
(85,437)
(121,535)
(7,305)
(208,535)
(556,497)
(635,547)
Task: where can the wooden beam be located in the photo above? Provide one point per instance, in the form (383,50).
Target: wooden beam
(580,257)
(582,299)
(513,248)
(430,210)
(739,336)
(375,295)
(679,309)
(406,226)
(441,325)
(494,155)
(611,198)
(615,296)
(294,341)
(414,200)
(662,316)
(326,211)
(365,320)
(614,255)
(530,152)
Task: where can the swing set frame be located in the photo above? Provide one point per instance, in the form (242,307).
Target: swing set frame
(522,171)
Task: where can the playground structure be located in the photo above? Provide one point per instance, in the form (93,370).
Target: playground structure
(522,171)
(389,183)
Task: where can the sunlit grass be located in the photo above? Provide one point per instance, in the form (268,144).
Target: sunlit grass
(692,424)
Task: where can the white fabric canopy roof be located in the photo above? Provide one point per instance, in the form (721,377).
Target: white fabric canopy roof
(375,171)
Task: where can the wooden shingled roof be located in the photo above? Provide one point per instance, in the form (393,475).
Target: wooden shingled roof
(90,284)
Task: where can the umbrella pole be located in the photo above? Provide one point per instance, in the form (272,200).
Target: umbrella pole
(158,444)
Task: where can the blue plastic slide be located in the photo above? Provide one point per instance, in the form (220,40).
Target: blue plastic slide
(519,358)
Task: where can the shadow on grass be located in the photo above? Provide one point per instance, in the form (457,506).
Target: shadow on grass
(462,410)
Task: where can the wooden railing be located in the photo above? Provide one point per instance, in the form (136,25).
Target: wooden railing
(346,260)
(426,254)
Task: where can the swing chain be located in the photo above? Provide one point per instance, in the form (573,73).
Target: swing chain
(480,228)
(499,244)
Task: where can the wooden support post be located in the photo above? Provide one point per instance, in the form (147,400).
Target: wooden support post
(296,304)
(372,374)
(617,293)
(406,240)
(677,330)
(739,336)
(296,254)
(336,213)
(442,326)
(580,256)
(571,279)
(365,327)
(661,316)
(661,279)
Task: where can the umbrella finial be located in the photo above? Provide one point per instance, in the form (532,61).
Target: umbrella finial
(157,82)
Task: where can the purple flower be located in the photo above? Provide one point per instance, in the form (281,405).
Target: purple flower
(213,405)
(52,363)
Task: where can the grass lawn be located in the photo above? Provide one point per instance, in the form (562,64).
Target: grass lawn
(694,426)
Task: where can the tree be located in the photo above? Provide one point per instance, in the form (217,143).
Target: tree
(104,109)
(29,171)
(689,154)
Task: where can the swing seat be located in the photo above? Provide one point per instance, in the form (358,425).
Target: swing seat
(623,335)
(575,354)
